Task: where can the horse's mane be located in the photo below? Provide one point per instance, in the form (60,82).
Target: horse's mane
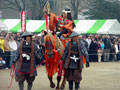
(58,43)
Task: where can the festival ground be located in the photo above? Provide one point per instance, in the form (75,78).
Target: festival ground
(100,76)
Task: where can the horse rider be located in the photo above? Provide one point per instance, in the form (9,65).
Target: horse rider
(63,23)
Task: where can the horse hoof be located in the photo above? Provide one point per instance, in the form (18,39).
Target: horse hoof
(57,88)
(62,87)
(52,85)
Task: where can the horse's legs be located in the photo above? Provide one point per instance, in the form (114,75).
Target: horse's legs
(58,82)
(52,85)
(63,83)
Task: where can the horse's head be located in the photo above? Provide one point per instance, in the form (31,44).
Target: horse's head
(49,47)
(53,44)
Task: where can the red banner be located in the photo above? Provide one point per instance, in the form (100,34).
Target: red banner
(23,21)
(47,23)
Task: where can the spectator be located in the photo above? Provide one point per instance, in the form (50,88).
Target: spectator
(86,43)
(93,50)
(118,53)
(89,41)
(13,48)
(2,63)
(41,46)
(100,51)
(113,52)
(18,40)
(7,52)
(2,43)
(107,48)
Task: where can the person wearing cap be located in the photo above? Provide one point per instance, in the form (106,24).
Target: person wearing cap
(26,59)
(63,24)
(72,59)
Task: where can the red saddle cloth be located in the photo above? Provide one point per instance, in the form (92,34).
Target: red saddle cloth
(52,63)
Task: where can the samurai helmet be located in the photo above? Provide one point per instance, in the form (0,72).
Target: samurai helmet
(66,10)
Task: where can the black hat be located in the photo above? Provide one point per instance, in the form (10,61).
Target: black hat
(74,34)
(27,34)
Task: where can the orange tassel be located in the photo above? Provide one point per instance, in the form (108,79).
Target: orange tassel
(84,60)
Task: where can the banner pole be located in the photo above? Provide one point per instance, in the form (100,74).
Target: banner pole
(23,21)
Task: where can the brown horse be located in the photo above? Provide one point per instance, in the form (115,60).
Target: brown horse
(53,52)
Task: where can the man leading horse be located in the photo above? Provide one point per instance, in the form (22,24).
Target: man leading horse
(73,60)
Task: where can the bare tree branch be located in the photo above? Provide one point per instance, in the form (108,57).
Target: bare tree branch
(10,8)
(11,2)
(35,10)
(78,3)
(18,5)
(23,4)
(40,3)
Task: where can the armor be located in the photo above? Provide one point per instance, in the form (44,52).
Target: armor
(74,56)
(27,60)
(26,48)
(61,22)
(57,22)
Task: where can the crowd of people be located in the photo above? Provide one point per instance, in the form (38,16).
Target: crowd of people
(101,48)
(9,43)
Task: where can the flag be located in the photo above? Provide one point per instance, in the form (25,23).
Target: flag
(23,21)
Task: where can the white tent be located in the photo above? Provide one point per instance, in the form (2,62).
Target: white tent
(3,27)
(111,26)
(14,25)
(98,27)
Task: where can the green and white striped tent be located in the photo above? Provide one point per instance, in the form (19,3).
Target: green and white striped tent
(14,25)
(111,26)
(98,27)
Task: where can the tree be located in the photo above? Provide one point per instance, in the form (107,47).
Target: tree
(36,9)
(78,6)
(33,7)
(75,4)
(17,5)
(103,9)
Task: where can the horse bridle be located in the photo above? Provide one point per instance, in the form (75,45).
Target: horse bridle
(55,43)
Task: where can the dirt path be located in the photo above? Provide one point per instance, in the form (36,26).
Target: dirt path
(100,76)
